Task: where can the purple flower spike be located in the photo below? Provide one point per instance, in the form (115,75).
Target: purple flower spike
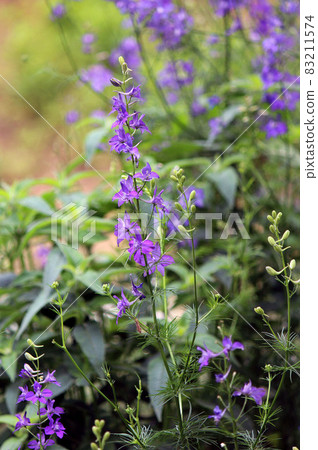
(218,414)
(146,174)
(248,390)
(22,422)
(122,305)
(228,345)
(207,354)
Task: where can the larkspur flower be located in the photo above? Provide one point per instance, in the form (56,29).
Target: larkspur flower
(42,254)
(24,393)
(135,289)
(197,109)
(157,261)
(50,410)
(274,127)
(216,126)
(127,192)
(137,123)
(220,377)
(249,390)
(213,101)
(146,174)
(97,76)
(87,40)
(139,248)
(23,421)
(122,305)
(38,394)
(72,116)
(28,372)
(207,354)
(40,443)
(157,201)
(50,378)
(217,415)
(129,50)
(55,427)
(228,345)
(58,11)
(125,228)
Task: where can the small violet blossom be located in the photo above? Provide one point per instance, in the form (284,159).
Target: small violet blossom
(146,174)
(248,390)
(72,116)
(217,415)
(122,305)
(58,11)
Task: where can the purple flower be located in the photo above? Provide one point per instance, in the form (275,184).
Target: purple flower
(217,415)
(119,106)
(58,11)
(290,7)
(123,142)
(50,378)
(127,192)
(129,50)
(213,101)
(248,390)
(97,76)
(157,201)
(72,116)
(55,427)
(274,127)
(177,74)
(197,109)
(40,443)
(207,354)
(135,289)
(216,126)
(98,114)
(224,7)
(228,345)
(199,197)
(24,393)
(122,305)
(146,174)
(28,372)
(213,39)
(38,395)
(125,228)
(140,248)
(42,254)
(87,40)
(50,410)
(157,261)
(22,422)
(220,377)
(138,123)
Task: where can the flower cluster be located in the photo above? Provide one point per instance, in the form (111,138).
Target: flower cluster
(248,390)
(167,22)
(174,76)
(135,187)
(36,391)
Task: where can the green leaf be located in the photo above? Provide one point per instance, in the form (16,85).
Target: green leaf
(208,340)
(11,395)
(157,379)
(13,443)
(90,338)
(93,139)
(226,183)
(37,204)
(52,269)
(8,419)
(9,363)
(72,255)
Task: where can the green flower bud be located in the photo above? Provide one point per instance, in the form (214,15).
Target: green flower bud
(193,209)
(192,195)
(271,271)
(106,288)
(29,357)
(174,178)
(270,219)
(94,446)
(271,241)
(259,310)
(292,264)
(278,248)
(179,187)
(182,229)
(268,368)
(105,438)
(183,178)
(180,172)
(286,235)
(272,229)
(55,285)
(32,344)
(279,216)
(295,448)
(96,431)
(274,214)
(178,207)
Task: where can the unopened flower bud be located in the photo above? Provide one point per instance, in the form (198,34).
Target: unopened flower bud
(180,172)
(94,446)
(295,448)
(279,216)
(96,431)
(259,310)
(278,248)
(106,287)
(183,178)
(105,438)
(272,229)
(271,241)
(182,229)
(193,209)
(271,271)
(292,264)
(29,357)
(274,214)
(115,82)
(178,207)
(192,195)
(173,177)
(268,367)
(270,219)
(286,235)
(32,344)
(55,285)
